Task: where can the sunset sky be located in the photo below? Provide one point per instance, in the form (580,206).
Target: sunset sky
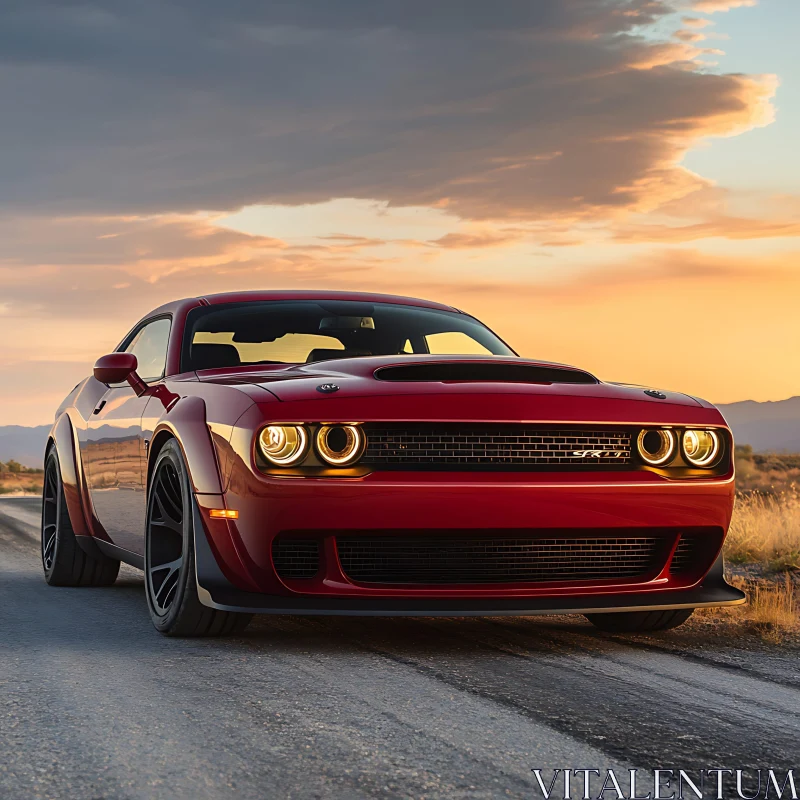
(613,184)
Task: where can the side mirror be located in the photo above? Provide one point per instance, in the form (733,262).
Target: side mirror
(117,368)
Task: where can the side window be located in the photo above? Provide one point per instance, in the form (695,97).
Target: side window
(150,348)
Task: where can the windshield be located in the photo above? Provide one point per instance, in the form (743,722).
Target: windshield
(302,331)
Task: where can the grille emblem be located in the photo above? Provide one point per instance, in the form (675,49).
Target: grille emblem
(599,453)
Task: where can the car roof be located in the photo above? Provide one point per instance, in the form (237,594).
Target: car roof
(297,294)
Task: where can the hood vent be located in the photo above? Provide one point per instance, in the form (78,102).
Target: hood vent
(484,372)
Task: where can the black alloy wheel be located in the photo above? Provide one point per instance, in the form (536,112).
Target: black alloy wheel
(50,507)
(64,562)
(170,583)
(165,556)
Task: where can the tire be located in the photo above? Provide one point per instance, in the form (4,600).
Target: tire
(64,562)
(170,583)
(640,621)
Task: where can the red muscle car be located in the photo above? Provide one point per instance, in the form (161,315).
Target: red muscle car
(343,453)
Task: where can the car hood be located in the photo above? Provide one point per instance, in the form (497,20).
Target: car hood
(436,376)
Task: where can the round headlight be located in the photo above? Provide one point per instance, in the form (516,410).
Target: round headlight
(283,445)
(340,445)
(656,445)
(700,447)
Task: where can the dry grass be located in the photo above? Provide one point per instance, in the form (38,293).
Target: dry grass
(766,473)
(766,528)
(763,553)
(21,482)
(773,608)
(772,611)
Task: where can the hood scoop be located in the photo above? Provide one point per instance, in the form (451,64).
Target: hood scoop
(483,372)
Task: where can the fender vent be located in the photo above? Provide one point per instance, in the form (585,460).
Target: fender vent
(484,372)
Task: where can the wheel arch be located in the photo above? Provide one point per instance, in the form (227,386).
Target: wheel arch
(186,422)
(62,438)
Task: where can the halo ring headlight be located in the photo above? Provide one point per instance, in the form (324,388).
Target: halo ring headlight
(283,445)
(700,447)
(656,446)
(340,445)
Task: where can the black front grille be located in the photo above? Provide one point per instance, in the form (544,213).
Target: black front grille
(455,446)
(295,558)
(489,559)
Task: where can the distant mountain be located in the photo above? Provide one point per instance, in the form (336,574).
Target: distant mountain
(769,426)
(25,445)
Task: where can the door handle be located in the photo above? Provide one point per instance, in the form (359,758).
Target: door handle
(99,407)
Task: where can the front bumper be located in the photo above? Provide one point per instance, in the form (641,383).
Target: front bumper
(236,572)
(216,591)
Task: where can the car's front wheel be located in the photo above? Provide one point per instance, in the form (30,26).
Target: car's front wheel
(63,560)
(170,584)
(640,621)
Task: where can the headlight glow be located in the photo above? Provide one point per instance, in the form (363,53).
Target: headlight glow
(656,445)
(700,448)
(283,445)
(340,445)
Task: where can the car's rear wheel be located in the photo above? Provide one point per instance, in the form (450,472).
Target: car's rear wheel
(640,621)
(63,560)
(170,584)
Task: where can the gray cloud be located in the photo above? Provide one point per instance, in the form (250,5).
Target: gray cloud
(509,108)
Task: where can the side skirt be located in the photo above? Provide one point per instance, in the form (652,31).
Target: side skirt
(93,546)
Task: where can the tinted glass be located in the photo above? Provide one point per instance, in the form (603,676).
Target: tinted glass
(150,348)
(294,332)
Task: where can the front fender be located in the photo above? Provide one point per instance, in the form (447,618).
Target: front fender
(186,422)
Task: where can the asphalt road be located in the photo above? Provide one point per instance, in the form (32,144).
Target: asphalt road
(95,704)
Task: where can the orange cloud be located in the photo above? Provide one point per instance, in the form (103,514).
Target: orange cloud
(461,241)
(727,227)
(689,36)
(713,6)
(347,242)
(696,22)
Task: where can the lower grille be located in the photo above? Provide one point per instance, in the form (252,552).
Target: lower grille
(459,446)
(684,557)
(296,558)
(483,559)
